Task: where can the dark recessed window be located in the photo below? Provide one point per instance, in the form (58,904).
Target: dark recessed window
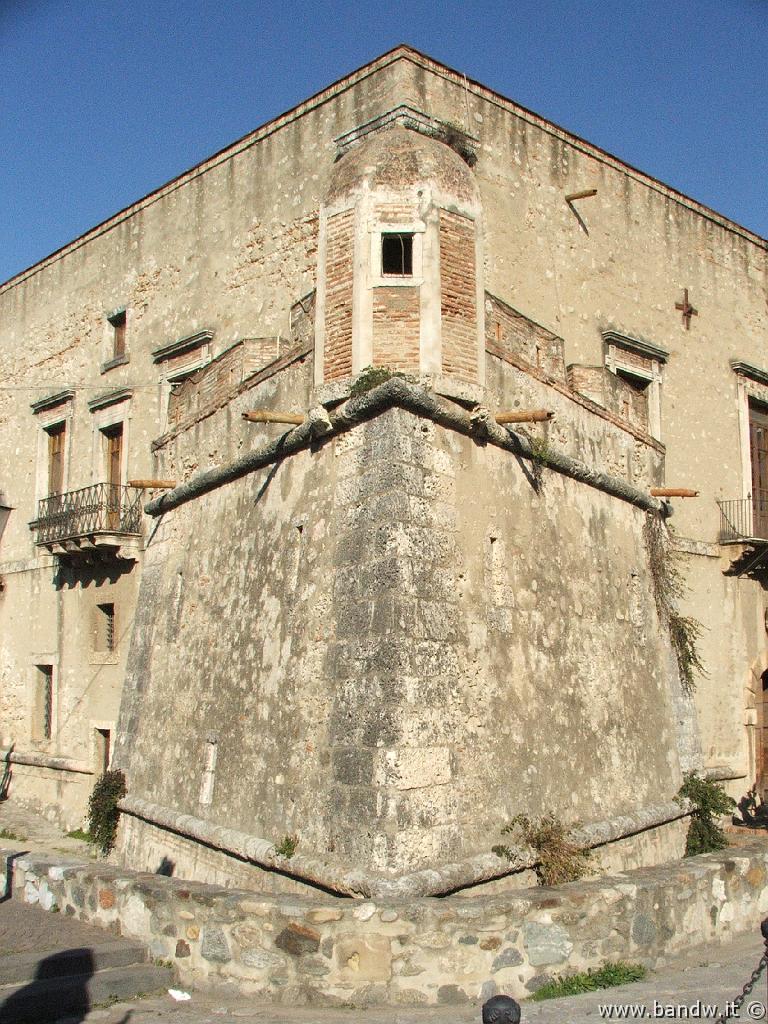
(397,254)
(104,628)
(44,703)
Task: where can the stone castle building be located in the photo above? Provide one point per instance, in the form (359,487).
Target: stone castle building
(382,611)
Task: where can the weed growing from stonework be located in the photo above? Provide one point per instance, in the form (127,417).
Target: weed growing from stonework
(7,833)
(560,859)
(287,846)
(371,377)
(668,588)
(103,814)
(455,137)
(78,833)
(710,801)
(607,976)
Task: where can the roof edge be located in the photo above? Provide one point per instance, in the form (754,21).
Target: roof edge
(402,51)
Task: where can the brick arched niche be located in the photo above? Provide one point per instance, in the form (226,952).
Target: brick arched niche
(400,262)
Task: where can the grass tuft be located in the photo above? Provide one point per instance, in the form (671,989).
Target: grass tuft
(608,976)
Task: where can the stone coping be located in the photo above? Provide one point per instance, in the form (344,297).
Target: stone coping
(352,881)
(325,950)
(398,393)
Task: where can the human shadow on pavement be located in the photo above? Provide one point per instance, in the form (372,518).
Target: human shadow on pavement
(59,991)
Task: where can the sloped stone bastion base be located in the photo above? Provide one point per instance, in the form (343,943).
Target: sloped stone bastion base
(325,949)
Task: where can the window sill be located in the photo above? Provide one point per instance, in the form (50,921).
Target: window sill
(112,363)
(396,281)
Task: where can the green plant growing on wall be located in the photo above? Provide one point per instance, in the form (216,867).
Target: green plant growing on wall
(454,136)
(668,588)
(287,846)
(103,813)
(540,454)
(371,376)
(710,801)
(560,859)
(607,976)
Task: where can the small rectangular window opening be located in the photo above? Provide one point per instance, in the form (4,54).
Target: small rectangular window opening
(103,749)
(106,639)
(118,336)
(397,254)
(44,702)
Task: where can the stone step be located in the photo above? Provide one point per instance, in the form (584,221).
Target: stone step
(20,968)
(49,999)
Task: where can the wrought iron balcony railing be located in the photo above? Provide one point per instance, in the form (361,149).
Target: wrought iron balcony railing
(90,511)
(743,519)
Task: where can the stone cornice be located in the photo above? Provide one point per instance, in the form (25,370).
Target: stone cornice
(51,401)
(755,373)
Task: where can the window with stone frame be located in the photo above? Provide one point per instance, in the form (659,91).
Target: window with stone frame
(637,366)
(396,254)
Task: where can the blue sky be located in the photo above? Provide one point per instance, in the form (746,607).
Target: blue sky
(102,101)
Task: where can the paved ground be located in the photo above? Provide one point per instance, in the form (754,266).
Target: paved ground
(25,929)
(684,990)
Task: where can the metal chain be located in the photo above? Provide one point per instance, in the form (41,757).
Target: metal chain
(739,1001)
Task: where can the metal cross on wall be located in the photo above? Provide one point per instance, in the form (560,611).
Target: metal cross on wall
(686,309)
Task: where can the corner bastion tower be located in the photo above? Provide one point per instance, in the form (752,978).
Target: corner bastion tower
(379,634)
(335,518)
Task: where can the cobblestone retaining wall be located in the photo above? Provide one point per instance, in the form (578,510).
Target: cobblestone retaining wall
(322,949)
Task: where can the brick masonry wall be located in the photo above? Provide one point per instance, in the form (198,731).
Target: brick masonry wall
(510,332)
(457,300)
(213,384)
(613,393)
(396,321)
(320,949)
(338,296)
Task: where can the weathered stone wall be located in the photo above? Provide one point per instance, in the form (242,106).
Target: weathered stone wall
(321,950)
(624,268)
(369,642)
(228,248)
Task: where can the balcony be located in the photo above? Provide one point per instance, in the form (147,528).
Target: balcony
(744,521)
(100,519)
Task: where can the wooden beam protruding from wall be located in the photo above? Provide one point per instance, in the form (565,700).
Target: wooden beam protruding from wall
(156,484)
(673,492)
(586,193)
(268,416)
(525,416)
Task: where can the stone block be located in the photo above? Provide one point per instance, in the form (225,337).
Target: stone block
(363,959)
(298,940)
(546,943)
(260,958)
(509,957)
(412,768)
(452,995)
(214,945)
